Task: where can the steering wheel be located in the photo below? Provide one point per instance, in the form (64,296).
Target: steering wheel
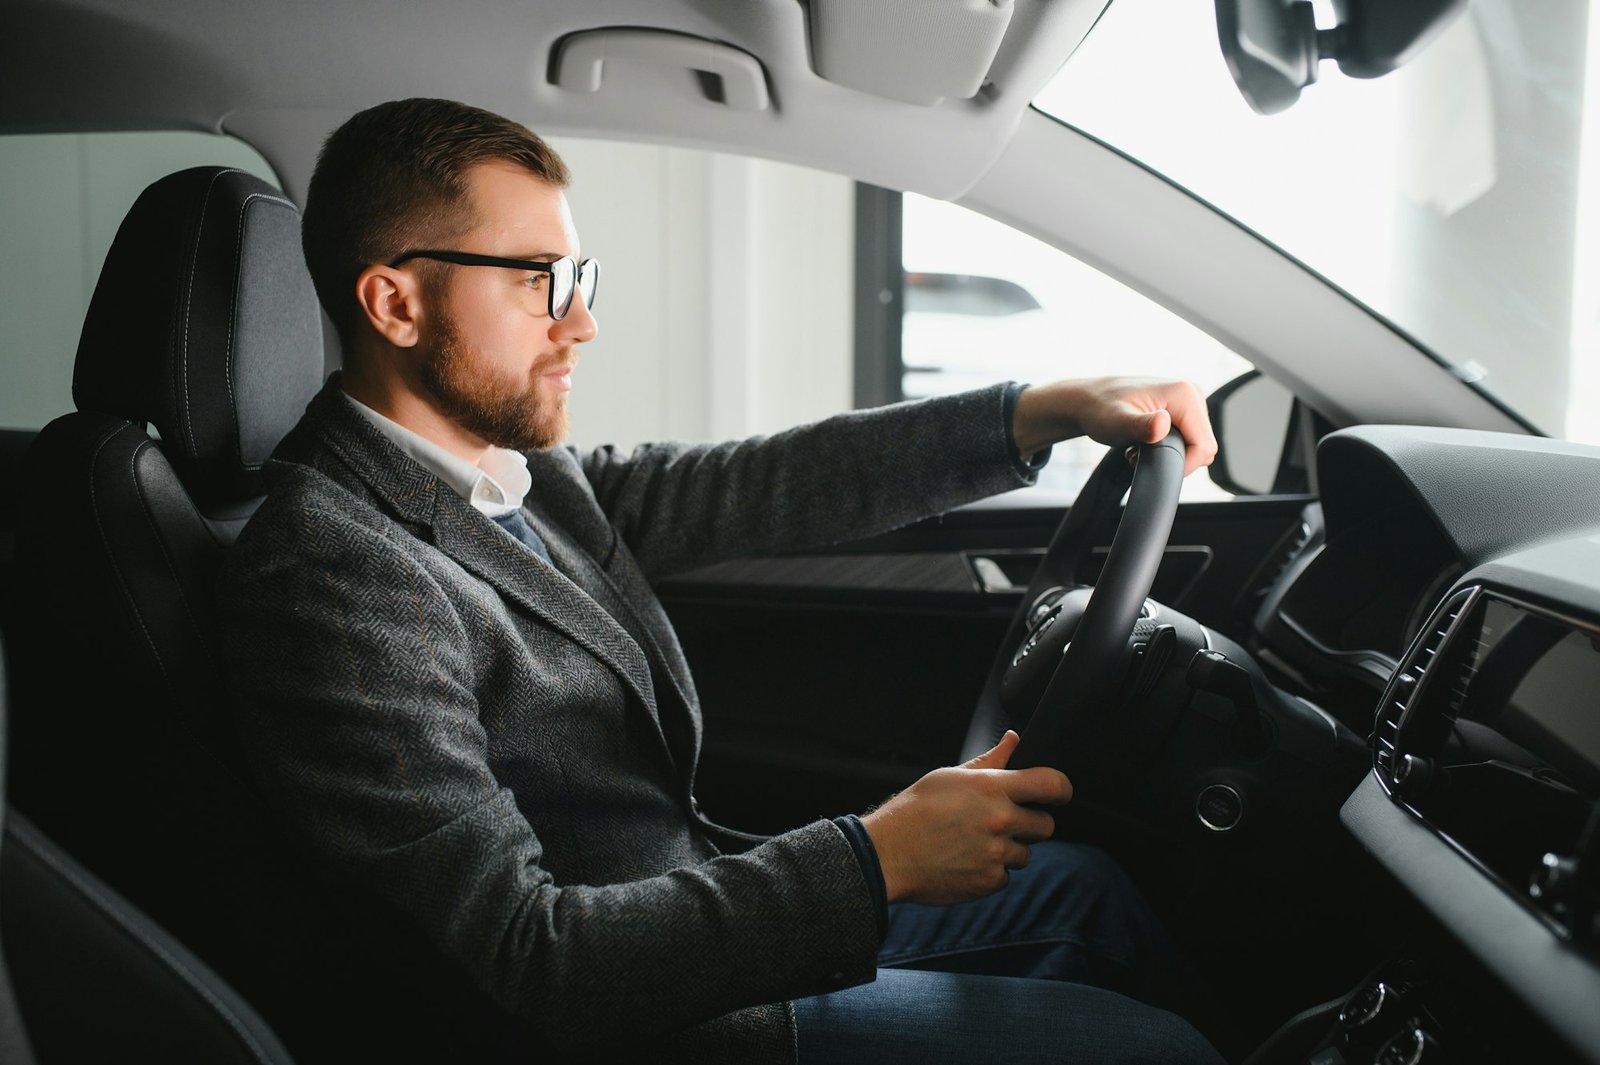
(1067,648)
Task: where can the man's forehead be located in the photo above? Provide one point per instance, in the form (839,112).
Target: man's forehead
(515,207)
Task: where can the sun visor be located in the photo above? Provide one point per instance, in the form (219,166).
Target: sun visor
(914,51)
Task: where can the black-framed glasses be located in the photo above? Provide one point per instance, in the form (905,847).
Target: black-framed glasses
(567,277)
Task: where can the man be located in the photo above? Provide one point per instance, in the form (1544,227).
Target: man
(456,686)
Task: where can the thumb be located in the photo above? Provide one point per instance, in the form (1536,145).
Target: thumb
(1156,427)
(997,756)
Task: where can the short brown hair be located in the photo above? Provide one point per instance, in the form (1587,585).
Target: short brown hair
(394,177)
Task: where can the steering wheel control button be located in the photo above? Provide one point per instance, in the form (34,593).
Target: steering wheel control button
(1048,599)
(1365,1006)
(1220,808)
(1036,635)
(1153,656)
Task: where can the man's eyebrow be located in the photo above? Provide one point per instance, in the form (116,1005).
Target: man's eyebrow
(543,256)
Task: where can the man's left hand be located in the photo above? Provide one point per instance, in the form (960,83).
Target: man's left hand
(1115,410)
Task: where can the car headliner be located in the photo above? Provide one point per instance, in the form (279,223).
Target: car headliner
(280,75)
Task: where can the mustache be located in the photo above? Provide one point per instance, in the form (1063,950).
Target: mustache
(562,358)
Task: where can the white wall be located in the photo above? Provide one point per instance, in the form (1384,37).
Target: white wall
(62,197)
(725,303)
(725,298)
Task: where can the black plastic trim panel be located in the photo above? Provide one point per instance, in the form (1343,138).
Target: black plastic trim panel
(1553,978)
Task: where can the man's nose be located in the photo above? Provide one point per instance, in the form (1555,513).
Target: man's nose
(578,327)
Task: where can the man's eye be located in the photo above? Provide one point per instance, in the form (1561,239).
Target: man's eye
(536,281)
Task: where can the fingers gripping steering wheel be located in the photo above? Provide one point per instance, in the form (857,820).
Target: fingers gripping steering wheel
(1065,653)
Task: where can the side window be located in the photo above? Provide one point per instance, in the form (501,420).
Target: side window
(984,302)
(65,196)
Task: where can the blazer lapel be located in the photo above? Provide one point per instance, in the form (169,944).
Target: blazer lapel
(677,707)
(420,500)
(489,554)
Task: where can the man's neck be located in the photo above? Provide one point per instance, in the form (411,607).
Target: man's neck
(402,404)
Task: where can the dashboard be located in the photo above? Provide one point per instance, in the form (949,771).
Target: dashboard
(1456,574)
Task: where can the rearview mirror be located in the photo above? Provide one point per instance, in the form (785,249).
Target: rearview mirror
(1272,47)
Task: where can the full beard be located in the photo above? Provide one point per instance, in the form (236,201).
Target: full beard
(492,408)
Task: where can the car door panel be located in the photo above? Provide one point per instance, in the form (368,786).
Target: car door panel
(828,680)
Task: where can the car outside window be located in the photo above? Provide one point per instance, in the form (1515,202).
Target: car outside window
(985,303)
(1458,197)
(65,196)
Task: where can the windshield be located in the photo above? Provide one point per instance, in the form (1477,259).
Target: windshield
(1459,197)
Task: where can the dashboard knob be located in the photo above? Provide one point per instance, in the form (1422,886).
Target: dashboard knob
(1412,1046)
(1554,883)
(1412,775)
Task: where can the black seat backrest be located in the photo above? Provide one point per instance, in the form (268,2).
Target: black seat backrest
(201,347)
(14,1045)
(205,328)
(13,443)
(96,979)
(204,332)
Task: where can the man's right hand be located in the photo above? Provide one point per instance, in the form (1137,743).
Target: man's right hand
(956,833)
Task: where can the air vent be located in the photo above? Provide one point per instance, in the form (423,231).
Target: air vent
(1411,679)
(1291,551)
(1306,534)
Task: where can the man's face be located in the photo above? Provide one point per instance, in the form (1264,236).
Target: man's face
(492,359)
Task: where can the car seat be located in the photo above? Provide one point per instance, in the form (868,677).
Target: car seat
(96,979)
(201,347)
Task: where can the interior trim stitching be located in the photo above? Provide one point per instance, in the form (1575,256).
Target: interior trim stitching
(238,288)
(188,302)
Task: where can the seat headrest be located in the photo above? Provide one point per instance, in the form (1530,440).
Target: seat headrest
(205,324)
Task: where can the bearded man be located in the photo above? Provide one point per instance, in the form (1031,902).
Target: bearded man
(457,689)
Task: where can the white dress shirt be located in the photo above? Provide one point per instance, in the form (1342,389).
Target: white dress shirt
(495,486)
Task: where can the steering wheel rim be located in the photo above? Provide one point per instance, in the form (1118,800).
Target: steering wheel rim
(1077,699)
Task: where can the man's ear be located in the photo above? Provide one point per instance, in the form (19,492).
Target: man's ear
(391,299)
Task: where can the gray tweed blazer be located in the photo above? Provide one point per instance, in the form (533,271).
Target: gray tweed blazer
(506,750)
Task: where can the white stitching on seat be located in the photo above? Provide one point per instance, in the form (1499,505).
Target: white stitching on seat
(188,301)
(238,278)
(188,297)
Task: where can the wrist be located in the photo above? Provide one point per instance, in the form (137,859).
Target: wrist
(881,832)
(1045,415)
(871,869)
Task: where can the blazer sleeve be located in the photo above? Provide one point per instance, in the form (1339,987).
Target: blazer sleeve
(682,506)
(352,678)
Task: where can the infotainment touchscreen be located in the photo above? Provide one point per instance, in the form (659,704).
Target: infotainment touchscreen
(1535,679)
(1500,747)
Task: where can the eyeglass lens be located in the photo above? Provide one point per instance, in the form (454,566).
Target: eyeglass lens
(566,278)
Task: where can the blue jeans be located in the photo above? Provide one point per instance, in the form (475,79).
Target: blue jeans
(1064,965)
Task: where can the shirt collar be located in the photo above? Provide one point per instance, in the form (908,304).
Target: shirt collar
(496,486)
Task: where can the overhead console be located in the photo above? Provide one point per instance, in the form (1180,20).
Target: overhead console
(927,51)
